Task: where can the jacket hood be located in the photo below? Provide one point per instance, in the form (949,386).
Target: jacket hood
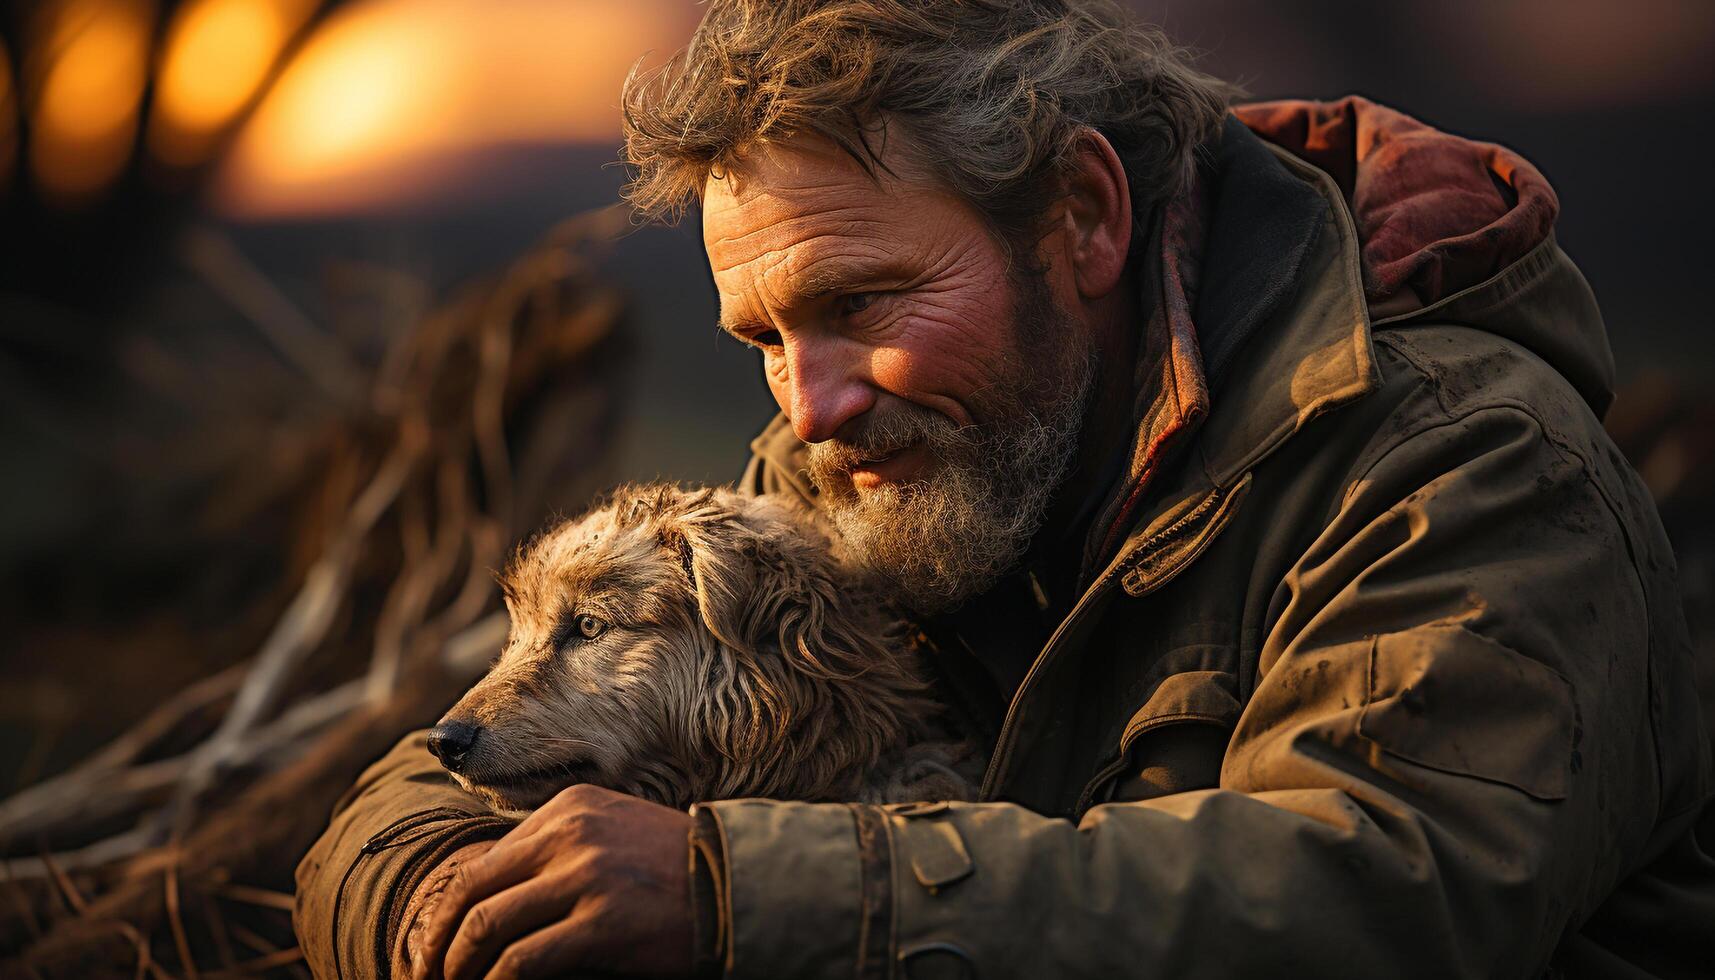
(1449,226)
(1436,227)
(1435,213)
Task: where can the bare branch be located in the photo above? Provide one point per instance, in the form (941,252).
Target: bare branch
(305,621)
(175,919)
(299,340)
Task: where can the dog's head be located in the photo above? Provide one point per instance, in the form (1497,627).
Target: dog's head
(682,645)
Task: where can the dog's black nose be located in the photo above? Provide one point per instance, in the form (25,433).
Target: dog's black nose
(450,740)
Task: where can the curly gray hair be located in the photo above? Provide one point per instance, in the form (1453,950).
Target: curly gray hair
(991,94)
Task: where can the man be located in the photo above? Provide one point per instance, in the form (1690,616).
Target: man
(1247,473)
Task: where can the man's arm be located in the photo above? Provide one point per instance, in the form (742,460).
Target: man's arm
(404,818)
(1447,760)
(371,885)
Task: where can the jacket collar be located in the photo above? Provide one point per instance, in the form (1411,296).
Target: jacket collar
(1262,304)
(1308,354)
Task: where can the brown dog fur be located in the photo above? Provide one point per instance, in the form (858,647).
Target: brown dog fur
(734,654)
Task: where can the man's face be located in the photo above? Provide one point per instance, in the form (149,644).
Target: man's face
(940,393)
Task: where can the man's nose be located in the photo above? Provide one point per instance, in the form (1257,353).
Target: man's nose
(450,742)
(825,386)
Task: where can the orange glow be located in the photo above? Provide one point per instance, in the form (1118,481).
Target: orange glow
(8,120)
(388,95)
(218,52)
(86,117)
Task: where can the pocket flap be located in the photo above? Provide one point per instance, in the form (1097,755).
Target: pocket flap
(1459,702)
(1190,695)
(938,855)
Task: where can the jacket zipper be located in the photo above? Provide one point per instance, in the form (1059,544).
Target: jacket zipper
(1219,500)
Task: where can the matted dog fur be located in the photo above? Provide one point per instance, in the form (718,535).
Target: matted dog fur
(686,645)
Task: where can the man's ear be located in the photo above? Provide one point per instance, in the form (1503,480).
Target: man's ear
(1098,219)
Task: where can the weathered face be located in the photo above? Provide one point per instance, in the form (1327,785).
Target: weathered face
(941,394)
(859,295)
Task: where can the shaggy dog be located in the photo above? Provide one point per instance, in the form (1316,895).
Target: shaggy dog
(686,645)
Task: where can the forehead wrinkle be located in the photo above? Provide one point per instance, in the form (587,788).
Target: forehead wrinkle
(809,163)
(776,203)
(879,217)
(774,219)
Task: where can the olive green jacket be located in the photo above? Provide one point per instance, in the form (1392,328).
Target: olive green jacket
(1387,675)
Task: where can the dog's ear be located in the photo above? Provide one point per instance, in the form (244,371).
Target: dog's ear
(765,586)
(810,684)
(672,540)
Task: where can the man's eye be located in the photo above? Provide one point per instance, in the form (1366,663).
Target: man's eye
(852,303)
(769,338)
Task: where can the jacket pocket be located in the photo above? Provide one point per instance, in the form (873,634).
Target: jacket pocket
(1174,743)
(1458,702)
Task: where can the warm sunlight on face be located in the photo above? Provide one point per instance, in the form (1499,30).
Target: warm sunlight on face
(857,293)
(941,390)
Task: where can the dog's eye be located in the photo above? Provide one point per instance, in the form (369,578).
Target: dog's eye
(589,627)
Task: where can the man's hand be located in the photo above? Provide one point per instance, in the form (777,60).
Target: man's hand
(593,882)
(420,910)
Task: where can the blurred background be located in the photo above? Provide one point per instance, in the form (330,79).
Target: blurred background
(310,308)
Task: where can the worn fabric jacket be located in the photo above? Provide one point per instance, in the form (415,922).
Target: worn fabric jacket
(1377,668)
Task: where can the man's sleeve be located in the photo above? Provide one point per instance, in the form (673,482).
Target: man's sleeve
(1448,759)
(402,818)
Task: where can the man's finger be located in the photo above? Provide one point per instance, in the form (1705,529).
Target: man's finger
(501,868)
(559,950)
(495,922)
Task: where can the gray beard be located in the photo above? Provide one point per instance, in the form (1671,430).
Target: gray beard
(962,525)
